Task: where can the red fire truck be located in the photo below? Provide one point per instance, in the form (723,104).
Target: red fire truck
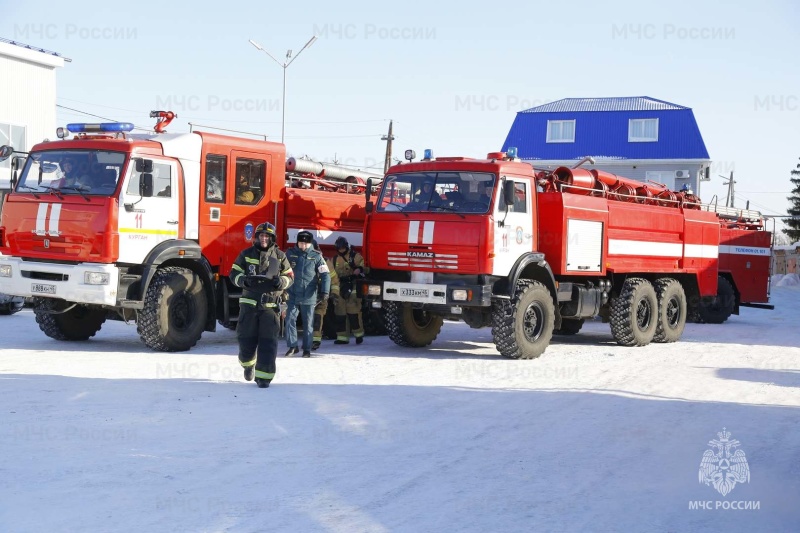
(145,227)
(495,243)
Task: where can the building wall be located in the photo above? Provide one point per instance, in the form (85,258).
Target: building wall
(27,97)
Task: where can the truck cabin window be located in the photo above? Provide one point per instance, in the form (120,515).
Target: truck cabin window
(438,192)
(68,172)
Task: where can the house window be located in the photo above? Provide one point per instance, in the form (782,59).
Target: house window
(642,130)
(13,136)
(561,131)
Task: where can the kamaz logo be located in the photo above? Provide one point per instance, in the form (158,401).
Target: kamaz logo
(421,255)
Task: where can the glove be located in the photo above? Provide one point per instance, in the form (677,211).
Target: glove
(322,297)
(276,282)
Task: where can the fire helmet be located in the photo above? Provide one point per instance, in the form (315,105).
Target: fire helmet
(341,242)
(267,228)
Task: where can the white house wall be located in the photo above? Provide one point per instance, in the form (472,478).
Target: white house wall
(27,95)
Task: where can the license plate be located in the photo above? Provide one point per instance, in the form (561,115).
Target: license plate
(414,292)
(43,289)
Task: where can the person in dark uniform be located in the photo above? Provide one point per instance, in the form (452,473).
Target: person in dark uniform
(349,267)
(322,303)
(311,284)
(263,272)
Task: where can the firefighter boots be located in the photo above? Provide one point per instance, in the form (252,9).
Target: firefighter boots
(262,383)
(249,372)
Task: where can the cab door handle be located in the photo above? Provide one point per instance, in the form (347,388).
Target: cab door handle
(172,221)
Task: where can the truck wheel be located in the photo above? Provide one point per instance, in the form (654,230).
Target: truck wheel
(523,326)
(175,309)
(634,314)
(569,326)
(11,307)
(411,327)
(671,310)
(717,309)
(78,324)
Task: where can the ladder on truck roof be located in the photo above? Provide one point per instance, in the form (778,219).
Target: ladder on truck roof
(732,213)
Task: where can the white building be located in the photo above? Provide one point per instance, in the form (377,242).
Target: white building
(27,97)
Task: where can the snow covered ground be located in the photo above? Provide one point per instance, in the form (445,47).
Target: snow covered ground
(107,436)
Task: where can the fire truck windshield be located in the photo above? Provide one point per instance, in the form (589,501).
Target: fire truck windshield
(84,172)
(458,192)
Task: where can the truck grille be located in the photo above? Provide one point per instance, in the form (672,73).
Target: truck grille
(438,261)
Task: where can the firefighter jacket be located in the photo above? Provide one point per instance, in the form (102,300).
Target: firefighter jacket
(334,278)
(310,273)
(344,265)
(255,261)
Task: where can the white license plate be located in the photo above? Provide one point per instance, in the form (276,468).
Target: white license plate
(420,293)
(43,289)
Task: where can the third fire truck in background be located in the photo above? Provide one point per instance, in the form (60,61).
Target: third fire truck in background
(144,227)
(495,243)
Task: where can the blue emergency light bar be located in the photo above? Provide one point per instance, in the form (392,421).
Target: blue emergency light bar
(103,127)
(428,154)
(511,153)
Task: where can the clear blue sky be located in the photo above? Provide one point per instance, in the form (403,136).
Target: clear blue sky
(452,78)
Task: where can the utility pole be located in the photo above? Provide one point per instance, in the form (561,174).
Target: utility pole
(730,197)
(388,138)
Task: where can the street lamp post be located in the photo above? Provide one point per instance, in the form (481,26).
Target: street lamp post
(284,66)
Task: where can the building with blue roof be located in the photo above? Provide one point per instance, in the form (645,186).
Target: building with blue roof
(637,137)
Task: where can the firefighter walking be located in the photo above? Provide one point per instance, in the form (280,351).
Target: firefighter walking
(322,303)
(349,267)
(263,272)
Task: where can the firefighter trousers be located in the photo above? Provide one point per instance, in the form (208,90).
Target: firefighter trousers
(348,310)
(319,317)
(257,332)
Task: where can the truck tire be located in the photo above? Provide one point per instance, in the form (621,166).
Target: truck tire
(671,310)
(522,327)
(411,327)
(78,324)
(569,326)
(634,313)
(175,309)
(717,309)
(12,306)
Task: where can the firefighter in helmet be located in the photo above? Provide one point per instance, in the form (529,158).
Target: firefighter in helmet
(349,267)
(322,304)
(263,272)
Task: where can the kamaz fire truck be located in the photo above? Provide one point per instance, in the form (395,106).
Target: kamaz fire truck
(495,243)
(145,227)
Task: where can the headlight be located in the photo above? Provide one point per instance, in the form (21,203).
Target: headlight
(96,278)
(374,290)
(461,295)
(5,271)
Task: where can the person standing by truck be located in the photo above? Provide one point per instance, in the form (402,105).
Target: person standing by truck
(349,266)
(263,272)
(322,303)
(310,274)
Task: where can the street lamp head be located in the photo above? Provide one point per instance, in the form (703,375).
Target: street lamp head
(258,46)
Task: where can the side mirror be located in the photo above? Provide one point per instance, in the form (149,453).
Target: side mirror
(5,152)
(16,164)
(369,206)
(144,165)
(508,192)
(146,184)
